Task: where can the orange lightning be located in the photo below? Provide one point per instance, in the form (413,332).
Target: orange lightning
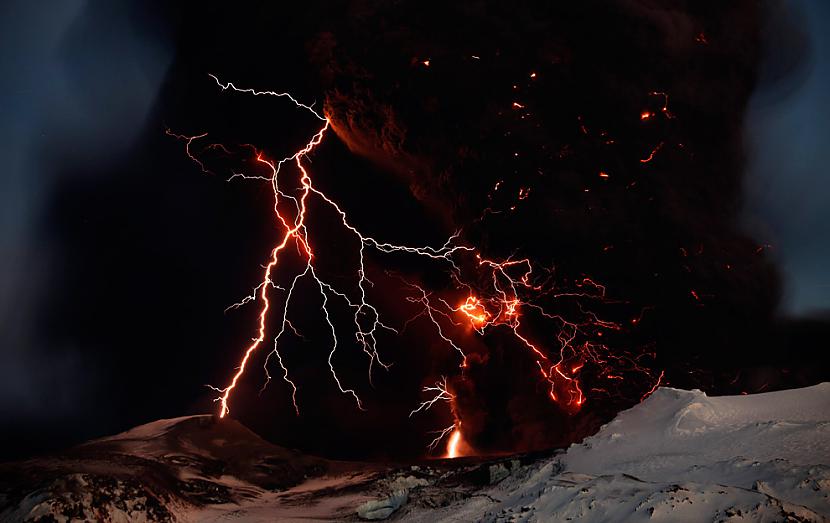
(367,321)
(291,232)
(504,293)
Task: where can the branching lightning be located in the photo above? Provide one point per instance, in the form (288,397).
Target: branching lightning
(497,295)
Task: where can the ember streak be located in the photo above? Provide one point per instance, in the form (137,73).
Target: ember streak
(485,295)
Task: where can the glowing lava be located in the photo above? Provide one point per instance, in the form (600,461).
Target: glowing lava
(453,443)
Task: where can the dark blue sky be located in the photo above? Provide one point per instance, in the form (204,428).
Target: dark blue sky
(788,183)
(76,83)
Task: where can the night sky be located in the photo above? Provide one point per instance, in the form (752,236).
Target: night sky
(787,188)
(118,256)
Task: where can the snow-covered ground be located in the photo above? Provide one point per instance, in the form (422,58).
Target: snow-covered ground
(678,456)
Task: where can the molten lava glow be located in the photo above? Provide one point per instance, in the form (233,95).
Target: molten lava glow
(474,309)
(453,443)
(491,294)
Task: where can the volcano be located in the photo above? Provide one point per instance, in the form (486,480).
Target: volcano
(678,456)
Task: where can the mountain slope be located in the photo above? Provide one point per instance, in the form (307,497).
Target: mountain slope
(154,472)
(678,456)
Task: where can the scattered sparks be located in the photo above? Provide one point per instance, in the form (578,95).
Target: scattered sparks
(295,232)
(665,107)
(654,151)
(647,114)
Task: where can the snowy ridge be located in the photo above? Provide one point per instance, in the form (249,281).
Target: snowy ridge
(162,472)
(680,456)
(674,426)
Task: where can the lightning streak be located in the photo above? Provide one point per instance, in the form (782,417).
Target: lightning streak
(504,293)
(293,222)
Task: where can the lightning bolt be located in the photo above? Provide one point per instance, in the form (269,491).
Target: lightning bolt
(511,289)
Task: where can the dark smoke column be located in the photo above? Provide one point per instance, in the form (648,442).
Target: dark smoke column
(602,138)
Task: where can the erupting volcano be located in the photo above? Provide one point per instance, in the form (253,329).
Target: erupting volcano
(428,261)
